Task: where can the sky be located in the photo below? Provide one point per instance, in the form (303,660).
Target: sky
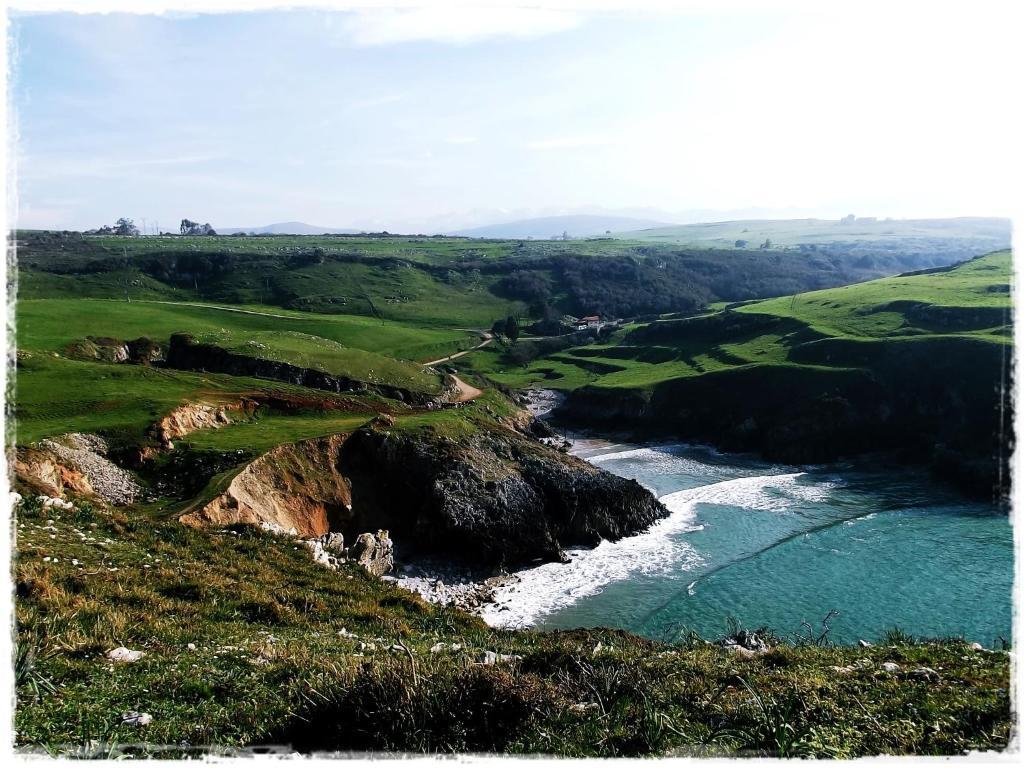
(434,118)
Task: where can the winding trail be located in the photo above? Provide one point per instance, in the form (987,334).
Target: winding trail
(466,392)
(488,338)
(223,309)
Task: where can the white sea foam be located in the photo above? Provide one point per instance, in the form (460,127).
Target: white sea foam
(658,550)
(632,453)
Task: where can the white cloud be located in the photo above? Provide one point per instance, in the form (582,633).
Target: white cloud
(448,24)
(378,101)
(458,140)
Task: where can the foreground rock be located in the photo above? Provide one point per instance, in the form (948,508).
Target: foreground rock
(374,552)
(492,498)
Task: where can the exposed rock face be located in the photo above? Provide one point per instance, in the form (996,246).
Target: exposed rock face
(43,472)
(108,350)
(493,498)
(292,487)
(374,552)
(191,417)
(79,462)
(931,403)
(186,354)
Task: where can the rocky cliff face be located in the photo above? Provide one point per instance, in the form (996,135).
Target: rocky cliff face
(496,498)
(293,488)
(923,403)
(189,418)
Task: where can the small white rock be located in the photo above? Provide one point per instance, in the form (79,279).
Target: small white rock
(891,667)
(136,718)
(124,655)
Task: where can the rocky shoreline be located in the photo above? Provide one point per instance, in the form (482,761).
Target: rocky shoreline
(442,584)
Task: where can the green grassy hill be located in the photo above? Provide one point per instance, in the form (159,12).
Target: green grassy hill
(911,364)
(969,301)
(441,282)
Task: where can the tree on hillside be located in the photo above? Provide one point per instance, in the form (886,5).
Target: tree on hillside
(125,227)
(511,328)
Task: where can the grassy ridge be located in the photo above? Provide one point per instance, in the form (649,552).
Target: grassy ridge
(56,394)
(51,324)
(314,352)
(442,282)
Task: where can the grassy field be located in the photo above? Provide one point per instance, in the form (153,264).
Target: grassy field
(52,324)
(989,234)
(265,431)
(882,308)
(247,641)
(315,352)
(55,394)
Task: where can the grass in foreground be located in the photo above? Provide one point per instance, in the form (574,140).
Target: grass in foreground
(247,641)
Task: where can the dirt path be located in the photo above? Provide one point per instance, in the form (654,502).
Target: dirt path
(466,392)
(223,309)
(487,340)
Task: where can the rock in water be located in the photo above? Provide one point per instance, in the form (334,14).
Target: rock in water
(375,552)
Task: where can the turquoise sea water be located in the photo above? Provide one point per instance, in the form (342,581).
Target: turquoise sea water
(777,546)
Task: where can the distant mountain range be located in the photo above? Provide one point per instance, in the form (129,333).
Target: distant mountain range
(289,228)
(555,226)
